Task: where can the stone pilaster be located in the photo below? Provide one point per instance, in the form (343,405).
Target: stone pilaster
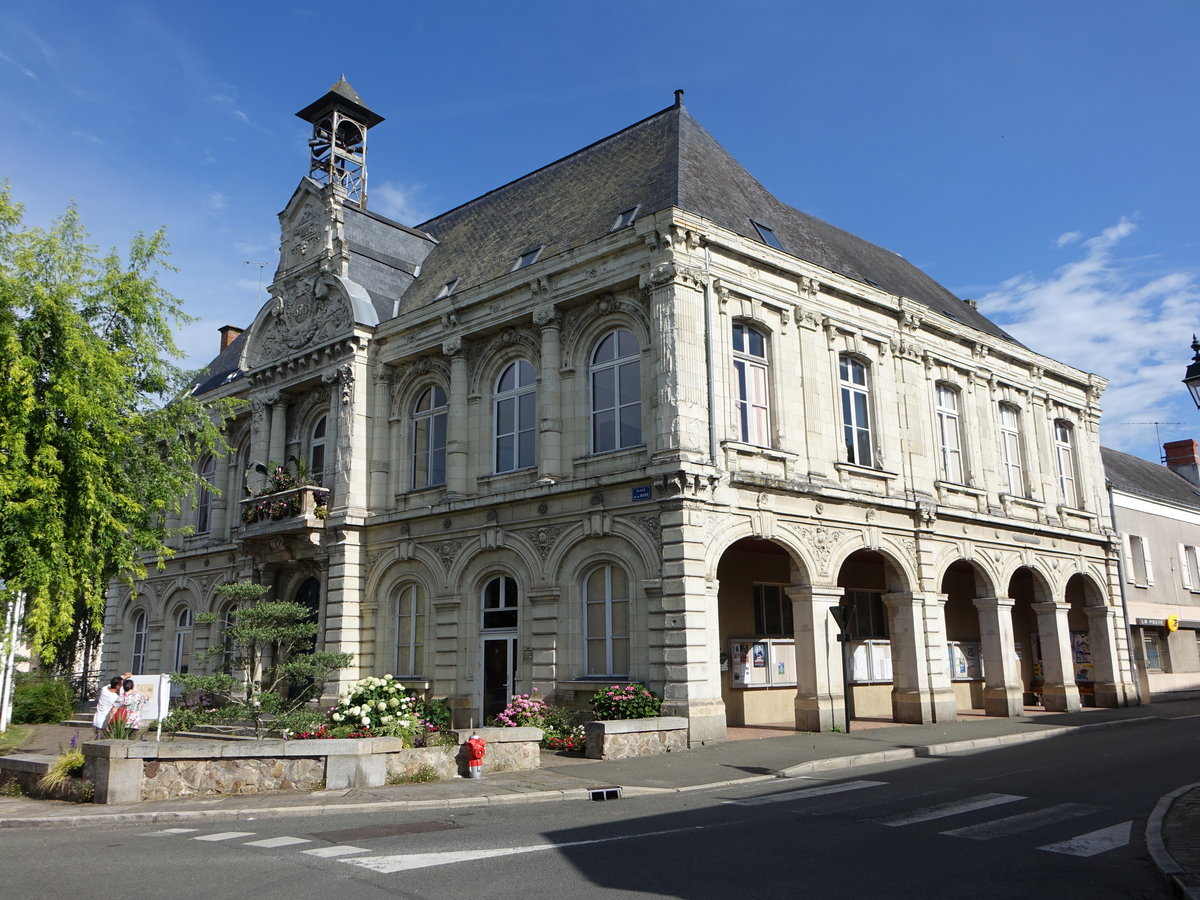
(1103,627)
(820,689)
(550,413)
(1059,692)
(277,448)
(544,621)
(457,445)
(449,663)
(1002,672)
(343,601)
(380,438)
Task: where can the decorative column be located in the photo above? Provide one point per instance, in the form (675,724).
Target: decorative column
(1102,637)
(219,504)
(456,425)
(820,689)
(921,691)
(343,603)
(347,434)
(254,479)
(277,451)
(1002,692)
(550,394)
(380,428)
(453,667)
(1059,692)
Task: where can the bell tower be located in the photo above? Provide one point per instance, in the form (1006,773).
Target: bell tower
(338,146)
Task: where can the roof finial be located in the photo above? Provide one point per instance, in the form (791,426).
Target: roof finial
(679,98)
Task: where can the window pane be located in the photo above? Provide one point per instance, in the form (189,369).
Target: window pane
(758,385)
(756,346)
(527,405)
(505,416)
(631,383)
(606,349)
(626,344)
(595,585)
(439,430)
(596,624)
(603,389)
(603,428)
(739,337)
(437,467)
(526,450)
(620,618)
(860,410)
(597,664)
(864,448)
(620,584)
(507,379)
(620,656)
(504,453)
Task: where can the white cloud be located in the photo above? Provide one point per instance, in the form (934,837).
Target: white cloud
(1070,237)
(27,72)
(1111,315)
(398,201)
(87,136)
(216,201)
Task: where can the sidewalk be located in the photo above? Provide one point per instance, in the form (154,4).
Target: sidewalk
(1174,829)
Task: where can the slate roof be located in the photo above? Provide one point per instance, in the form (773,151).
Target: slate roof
(662,161)
(224,368)
(1135,475)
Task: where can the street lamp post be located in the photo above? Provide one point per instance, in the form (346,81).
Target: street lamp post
(1192,378)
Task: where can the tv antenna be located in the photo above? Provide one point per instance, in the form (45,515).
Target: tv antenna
(261,266)
(1157,433)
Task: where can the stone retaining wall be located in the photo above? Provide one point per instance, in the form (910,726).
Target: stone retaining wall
(623,738)
(130,771)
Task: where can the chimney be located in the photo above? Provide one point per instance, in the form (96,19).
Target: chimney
(229,334)
(1183,458)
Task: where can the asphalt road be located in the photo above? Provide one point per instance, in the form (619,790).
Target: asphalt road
(1058,818)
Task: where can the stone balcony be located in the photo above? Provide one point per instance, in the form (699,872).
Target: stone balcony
(299,511)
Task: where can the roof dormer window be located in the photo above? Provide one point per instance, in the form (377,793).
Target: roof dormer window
(625,218)
(446,289)
(767,234)
(528,258)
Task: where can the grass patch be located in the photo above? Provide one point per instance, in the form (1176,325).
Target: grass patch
(423,774)
(12,788)
(14,738)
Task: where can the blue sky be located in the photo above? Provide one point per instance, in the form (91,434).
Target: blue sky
(1038,157)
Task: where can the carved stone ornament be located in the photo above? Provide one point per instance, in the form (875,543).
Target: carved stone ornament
(648,522)
(310,315)
(809,288)
(545,315)
(543,539)
(447,552)
(820,542)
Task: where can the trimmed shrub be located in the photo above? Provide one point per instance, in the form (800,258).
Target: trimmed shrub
(40,700)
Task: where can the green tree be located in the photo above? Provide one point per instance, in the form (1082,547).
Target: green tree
(268,648)
(92,457)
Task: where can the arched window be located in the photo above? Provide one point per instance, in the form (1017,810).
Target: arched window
(606,619)
(616,386)
(1010,449)
(949,433)
(515,414)
(429,438)
(137,662)
(409,621)
(208,474)
(856,410)
(183,640)
(500,604)
(228,650)
(316,452)
(1064,457)
(751,380)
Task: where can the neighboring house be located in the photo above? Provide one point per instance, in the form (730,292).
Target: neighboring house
(1157,512)
(630,417)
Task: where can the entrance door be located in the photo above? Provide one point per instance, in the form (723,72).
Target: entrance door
(499,673)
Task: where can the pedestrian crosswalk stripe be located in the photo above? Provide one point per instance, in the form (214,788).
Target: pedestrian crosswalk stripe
(335,850)
(170,831)
(986,831)
(284,841)
(223,836)
(1094,842)
(805,793)
(945,810)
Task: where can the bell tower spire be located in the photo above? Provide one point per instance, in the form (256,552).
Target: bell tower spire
(338,146)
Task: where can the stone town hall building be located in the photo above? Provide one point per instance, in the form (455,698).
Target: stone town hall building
(631,417)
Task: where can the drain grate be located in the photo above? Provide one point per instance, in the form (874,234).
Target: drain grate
(604,793)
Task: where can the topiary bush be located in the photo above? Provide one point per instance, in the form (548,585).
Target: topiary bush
(37,700)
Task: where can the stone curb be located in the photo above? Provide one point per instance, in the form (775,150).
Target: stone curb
(817,765)
(1175,874)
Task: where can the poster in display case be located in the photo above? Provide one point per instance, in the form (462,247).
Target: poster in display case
(870,662)
(766,662)
(966,662)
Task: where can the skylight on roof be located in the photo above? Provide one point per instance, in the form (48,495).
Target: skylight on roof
(625,218)
(528,258)
(446,289)
(767,234)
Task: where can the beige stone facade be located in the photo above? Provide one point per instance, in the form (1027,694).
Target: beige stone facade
(553,449)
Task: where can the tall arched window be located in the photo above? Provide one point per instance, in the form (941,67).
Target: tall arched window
(228,650)
(1064,457)
(616,386)
(606,619)
(409,622)
(429,438)
(949,433)
(316,452)
(137,661)
(1010,449)
(856,410)
(183,640)
(500,604)
(208,474)
(515,416)
(751,380)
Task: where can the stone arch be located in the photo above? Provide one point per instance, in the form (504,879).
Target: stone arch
(741,528)
(986,579)
(894,574)
(491,358)
(585,324)
(409,381)
(633,537)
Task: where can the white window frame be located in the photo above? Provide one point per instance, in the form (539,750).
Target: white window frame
(752,385)
(855,396)
(204,502)
(425,420)
(183,640)
(618,365)
(523,391)
(1189,567)
(316,451)
(1011,454)
(140,631)
(608,638)
(1064,459)
(949,426)
(408,628)
(1138,568)
(508,596)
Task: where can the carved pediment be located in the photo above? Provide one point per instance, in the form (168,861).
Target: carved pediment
(313,312)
